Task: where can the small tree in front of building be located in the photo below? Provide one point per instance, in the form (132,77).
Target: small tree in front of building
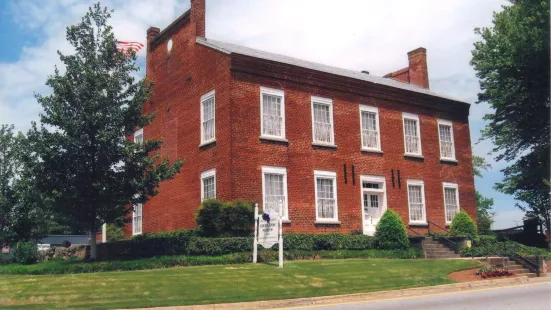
(463,225)
(391,232)
(88,168)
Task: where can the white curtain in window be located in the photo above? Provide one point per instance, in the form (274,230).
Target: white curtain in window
(446,143)
(369,130)
(208,119)
(137,219)
(450,199)
(411,136)
(274,194)
(271,115)
(416,204)
(325,198)
(323,131)
(209,191)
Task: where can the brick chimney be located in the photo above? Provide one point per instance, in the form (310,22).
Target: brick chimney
(416,72)
(152,33)
(198,9)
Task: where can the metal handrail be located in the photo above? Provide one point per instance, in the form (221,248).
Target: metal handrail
(517,254)
(455,245)
(418,234)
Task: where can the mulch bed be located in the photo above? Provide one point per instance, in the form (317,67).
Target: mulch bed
(469,276)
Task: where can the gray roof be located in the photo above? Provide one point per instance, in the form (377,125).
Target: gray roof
(229,48)
(58,239)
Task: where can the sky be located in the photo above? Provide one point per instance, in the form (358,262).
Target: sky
(359,35)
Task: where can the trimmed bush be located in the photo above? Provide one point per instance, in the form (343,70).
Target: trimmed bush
(219,246)
(391,232)
(25,253)
(327,242)
(114,233)
(215,218)
(463,225)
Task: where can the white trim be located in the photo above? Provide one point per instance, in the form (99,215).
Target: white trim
(382,191)
(375,110)
(446,123)
(456,187)
(414,117)
(274,92)
(421,183)
(210,94)
(326,175)
(137,133)
(207,174)
(280,171)
(327,101)
(134,233)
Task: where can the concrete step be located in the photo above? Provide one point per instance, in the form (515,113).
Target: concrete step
(430,246)
(446,250)
(439,256)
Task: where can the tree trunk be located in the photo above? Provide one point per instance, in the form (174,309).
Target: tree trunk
(93,248)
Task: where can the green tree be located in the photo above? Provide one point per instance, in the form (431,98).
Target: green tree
(483,204)
(512,63)
(463,225)
(88,167)
(391,232)
(23,215)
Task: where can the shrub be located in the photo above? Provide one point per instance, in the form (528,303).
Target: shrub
(114,233)
(25,253)
(463,225)
(391,232)
(215,218)
(219,246)
(327,242)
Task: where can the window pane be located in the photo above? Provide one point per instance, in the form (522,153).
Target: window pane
(322,123)
(416,203)
(411,136)
(450,200)
(138,138)
(446,142)
(208,119)
(272,118)
(209,191)
(137,219)
(325,198)
(274,194)
(370,134)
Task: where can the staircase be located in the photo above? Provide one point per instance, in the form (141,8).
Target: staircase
(519,269)
(438,250)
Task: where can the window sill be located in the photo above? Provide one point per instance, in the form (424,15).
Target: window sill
(414,155)
(319,144)
(372,151)
(285,221)
(274,139)
(449,160)
(207,143)
(328,222)
(418,224)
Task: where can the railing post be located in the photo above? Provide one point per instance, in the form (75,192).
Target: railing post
(537,265)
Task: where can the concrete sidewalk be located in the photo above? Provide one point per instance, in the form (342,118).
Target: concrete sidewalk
(381,295)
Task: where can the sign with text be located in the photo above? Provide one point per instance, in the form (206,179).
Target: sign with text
(267,232)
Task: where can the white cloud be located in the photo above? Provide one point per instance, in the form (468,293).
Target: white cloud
(507,219)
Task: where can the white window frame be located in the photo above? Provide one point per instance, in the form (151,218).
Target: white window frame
(456,187)
(137,133)
(450,124)
(328,102)
(326,175)
(414,117)
(134,216)
(370,109)
(273,92)
(205,97)
(281,171)
(421,183)
(204,175)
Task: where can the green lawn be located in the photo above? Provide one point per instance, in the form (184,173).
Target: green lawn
(224,283)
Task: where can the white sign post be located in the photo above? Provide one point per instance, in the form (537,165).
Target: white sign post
(267,232)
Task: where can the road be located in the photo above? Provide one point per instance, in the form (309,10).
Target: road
(530,297)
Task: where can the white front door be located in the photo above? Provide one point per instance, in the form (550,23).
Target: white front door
(372,204)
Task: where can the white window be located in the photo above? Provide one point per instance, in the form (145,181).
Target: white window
(451,201)
(272,110)
(322,121)
(416,202)
(138,136)
(369,121)
(208,120)
(412,134)
(137,219)
(274,188)
(208,184)
(445,133)
(326,196)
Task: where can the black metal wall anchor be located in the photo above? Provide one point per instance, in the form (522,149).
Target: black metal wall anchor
(353,176)
(399,180)
(345,177)
(392,173)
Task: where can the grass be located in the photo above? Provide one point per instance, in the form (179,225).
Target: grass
(223,283)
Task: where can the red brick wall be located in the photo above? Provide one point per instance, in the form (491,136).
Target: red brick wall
(301,158)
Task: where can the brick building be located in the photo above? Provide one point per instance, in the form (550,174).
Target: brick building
(331,148)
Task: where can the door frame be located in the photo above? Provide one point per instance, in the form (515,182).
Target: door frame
(382,191)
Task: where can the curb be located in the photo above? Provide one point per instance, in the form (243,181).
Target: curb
(362,297)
